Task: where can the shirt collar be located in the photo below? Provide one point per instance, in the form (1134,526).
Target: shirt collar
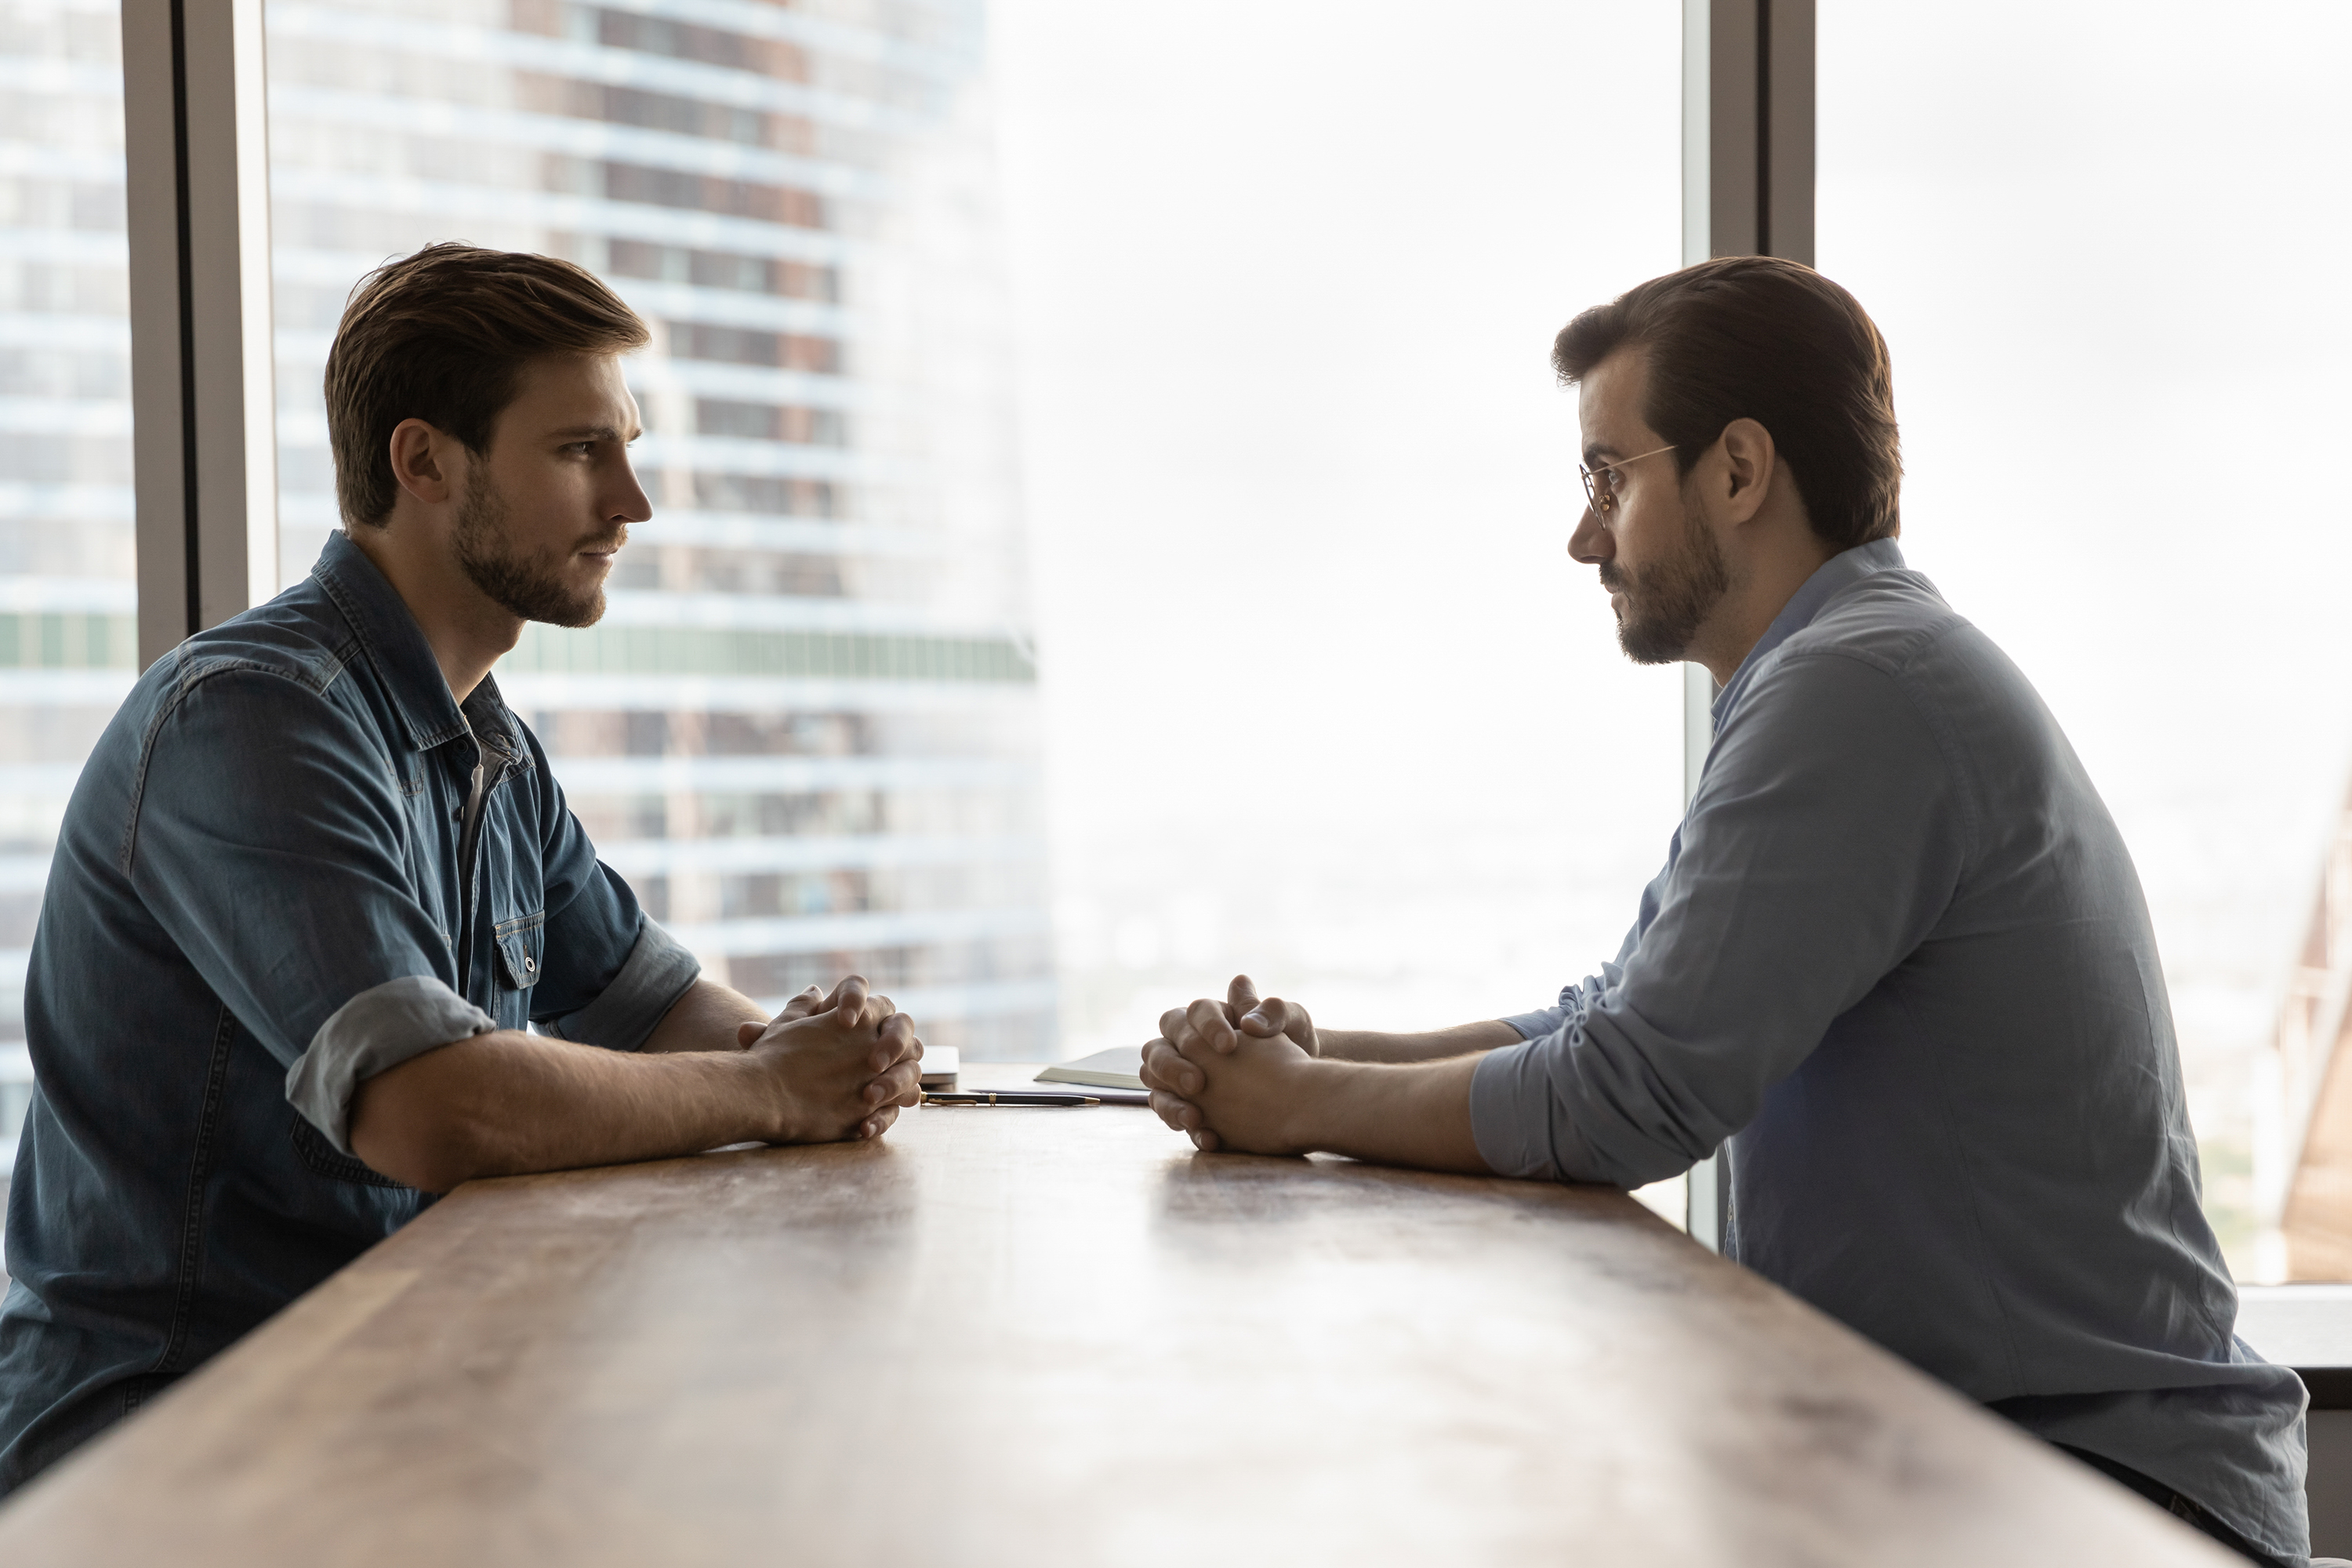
(394,642)
(1838,573)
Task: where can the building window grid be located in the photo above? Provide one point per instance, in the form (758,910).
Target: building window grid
(65,635)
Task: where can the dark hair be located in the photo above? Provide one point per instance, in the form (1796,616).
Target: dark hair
(443,336)
(1757,337)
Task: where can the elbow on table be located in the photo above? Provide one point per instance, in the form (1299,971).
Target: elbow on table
(405,1128)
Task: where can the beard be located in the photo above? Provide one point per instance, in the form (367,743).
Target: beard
(1667,601)
(519,584)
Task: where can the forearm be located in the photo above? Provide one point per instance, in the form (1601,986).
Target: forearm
(505,1103)
(705,1019)
(1391,1113)
(1371,1045)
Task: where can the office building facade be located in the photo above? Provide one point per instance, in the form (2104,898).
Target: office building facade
(66,632)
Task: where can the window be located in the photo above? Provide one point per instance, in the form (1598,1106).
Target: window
(2095,251)
(1326,698)
(67,598)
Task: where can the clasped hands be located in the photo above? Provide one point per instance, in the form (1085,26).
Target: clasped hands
(848,1060)
(1232,1074)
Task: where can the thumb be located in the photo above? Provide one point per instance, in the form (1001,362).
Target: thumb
(1276,1017)
(848,1000)
(1240,997)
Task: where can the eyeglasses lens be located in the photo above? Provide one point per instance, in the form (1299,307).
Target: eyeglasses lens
(1600,492)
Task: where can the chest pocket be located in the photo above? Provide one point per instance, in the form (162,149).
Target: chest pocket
(521,944)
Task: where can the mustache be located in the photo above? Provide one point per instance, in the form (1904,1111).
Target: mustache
(612,541)
(1612,575)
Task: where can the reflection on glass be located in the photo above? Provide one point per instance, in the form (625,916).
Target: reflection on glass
(2095,251)
(805,729)
(68,641)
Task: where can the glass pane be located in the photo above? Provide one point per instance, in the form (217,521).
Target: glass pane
(2102,253)
(1327,702)
(68,639)
(806,729)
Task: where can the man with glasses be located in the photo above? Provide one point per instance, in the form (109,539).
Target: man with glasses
(1897,968)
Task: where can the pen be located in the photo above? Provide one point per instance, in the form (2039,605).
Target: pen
(989,1097)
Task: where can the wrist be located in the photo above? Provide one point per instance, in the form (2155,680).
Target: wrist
(1337,1045)
(1309,1106)
(775,1116)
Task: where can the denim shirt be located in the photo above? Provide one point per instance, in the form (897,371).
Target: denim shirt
(1899,967)
(267,889)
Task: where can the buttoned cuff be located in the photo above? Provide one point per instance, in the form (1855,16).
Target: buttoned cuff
(1518,1120)
(626,1012)
(374,1032)
(1535,1025)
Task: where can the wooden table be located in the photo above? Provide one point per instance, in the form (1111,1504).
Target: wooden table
(1033,1337)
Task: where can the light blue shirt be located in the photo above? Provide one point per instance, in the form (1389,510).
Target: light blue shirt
(1899,966)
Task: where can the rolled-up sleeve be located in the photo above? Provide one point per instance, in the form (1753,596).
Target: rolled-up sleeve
(1823,844)
(375,1031)
(1535,1025)
(625,1012)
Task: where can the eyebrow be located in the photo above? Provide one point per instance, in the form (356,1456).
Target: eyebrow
(1594,453)
(590,433)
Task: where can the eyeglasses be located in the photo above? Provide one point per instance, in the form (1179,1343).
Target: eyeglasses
(1601,491)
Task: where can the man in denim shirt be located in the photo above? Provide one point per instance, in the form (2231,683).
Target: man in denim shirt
(1897,967)
(317,881)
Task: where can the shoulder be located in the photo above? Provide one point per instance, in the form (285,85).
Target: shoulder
(1938,663)
(1921,656)
(1842,704)
(1891,621)
(298,638)
(275,680)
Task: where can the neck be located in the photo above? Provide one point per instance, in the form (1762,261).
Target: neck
(467,631)
(1756,597)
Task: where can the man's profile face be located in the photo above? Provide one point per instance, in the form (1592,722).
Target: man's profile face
(1661,564)
(548,507)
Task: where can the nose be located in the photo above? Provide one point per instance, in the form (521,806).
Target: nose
(1591,544)
(629,503)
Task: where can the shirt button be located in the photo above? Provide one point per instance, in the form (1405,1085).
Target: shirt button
(530,966)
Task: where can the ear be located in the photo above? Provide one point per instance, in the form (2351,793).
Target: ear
(1749,465)
(423,461)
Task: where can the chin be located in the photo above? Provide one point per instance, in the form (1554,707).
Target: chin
(586,612)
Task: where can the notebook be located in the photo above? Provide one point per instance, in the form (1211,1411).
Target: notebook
(1121,1068)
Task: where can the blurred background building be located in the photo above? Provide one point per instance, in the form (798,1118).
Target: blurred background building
(67,633)
(806,729)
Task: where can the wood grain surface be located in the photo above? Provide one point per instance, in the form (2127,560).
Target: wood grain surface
(1036,1337)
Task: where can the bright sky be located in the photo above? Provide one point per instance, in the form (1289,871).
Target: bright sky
(1300,480)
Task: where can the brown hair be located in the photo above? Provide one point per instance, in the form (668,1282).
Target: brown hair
(1761,338)
(443,336)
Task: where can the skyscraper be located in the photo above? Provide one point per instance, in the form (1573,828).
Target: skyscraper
(806,727)
(67,638)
